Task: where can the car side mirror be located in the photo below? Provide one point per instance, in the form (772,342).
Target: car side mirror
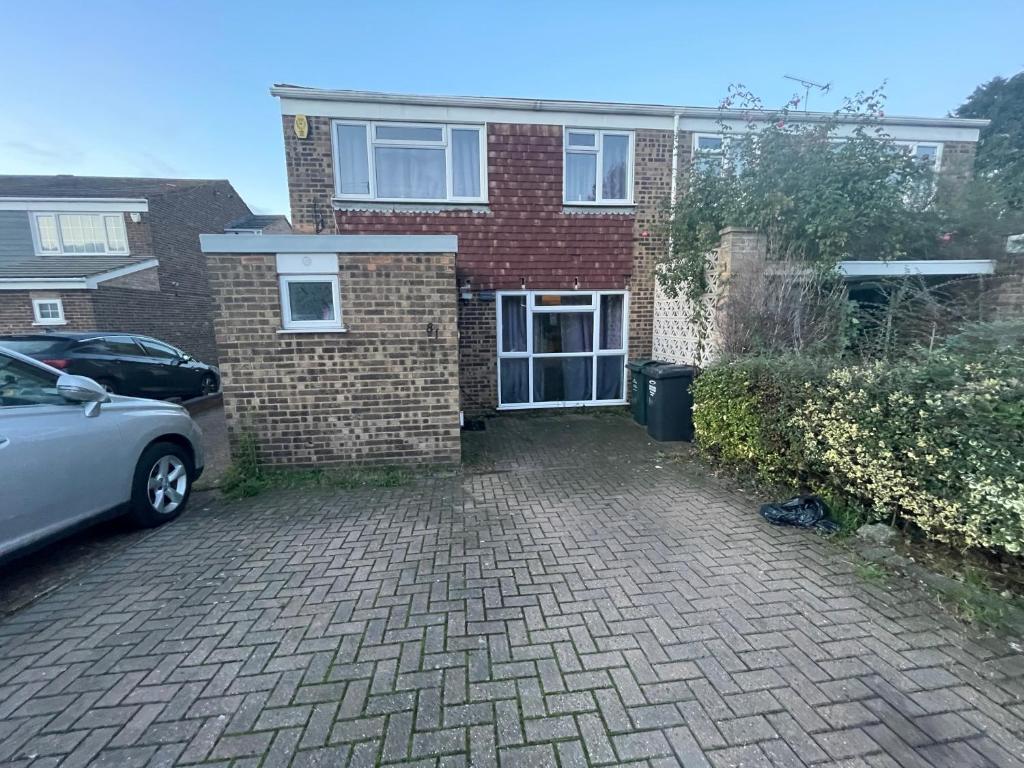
(82,389)
(184,358)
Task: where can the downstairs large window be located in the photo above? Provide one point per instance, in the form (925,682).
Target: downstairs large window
(561,348)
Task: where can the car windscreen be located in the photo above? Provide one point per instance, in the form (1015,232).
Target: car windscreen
(39,348)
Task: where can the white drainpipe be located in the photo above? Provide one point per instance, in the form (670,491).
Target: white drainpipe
(675,162)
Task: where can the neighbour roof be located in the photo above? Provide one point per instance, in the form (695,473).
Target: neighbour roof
(286,91)
(53,266)
(259,221)
(66,185)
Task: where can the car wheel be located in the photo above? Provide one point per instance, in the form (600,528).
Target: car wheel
(162,484)
(208,385)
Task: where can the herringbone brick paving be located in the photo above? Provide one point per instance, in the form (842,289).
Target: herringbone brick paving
(579,603)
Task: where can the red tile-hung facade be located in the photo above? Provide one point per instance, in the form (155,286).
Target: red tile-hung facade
(524,236)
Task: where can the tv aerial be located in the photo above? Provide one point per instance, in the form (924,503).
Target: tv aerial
(822,88)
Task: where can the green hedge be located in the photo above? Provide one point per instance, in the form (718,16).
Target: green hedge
(937,440)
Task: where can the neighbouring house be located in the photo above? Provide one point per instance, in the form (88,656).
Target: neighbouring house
(86,253)
(556,205)
(259,224)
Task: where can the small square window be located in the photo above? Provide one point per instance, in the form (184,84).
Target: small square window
(48,312)
(310,302)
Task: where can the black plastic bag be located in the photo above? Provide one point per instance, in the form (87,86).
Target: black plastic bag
(800,512)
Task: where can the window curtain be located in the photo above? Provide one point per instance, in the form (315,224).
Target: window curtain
(354,168)
(414,173)
(616,158)
(580,176)
(611,322)
(567,378)
(515,372)
(610,369)
(465,163)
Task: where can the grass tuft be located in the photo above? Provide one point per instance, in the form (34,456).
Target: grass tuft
(247,477)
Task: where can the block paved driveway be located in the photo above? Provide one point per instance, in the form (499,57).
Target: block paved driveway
(573,600)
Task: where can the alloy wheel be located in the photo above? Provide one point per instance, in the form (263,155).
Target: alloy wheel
(168,482)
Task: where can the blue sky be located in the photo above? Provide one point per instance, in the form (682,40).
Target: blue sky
(163,88)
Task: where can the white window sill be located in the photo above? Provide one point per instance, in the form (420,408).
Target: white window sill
(412,206)
(594,208)
(45,323)
(285,331)
(410,200)
(579,404)
(73,253)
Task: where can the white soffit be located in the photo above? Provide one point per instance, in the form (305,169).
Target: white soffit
(936,267)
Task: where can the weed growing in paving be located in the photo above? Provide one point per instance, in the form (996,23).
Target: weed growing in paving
(248,477)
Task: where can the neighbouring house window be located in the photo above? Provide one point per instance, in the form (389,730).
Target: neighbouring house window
(561,348)
(410,161)
(928,154)
(48,311)
(598,167)
(310,302)
(80,233)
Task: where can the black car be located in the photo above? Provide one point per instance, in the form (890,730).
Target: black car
(125,364)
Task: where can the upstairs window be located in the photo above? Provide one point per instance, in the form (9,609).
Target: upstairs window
(420,162)
(709,152)
(598,167)
(929,155)
(80,233)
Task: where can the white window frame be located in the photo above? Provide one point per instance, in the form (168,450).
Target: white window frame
(598,151)
(310,325)
(913,145)
(371,126)
(531,309)
(722,153)
(38,319)
(61,251)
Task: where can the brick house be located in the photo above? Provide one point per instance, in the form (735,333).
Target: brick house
(86,253)
(556,206)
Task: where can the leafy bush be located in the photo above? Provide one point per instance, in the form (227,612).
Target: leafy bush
(742,412)
(937,440)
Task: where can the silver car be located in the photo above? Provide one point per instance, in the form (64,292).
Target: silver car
(71,453)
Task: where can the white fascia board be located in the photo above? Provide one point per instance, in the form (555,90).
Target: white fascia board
(95,280)
(921,132)
(350,110)
(76,204)
(479,109)
(936,267)
(329,243)
(42,283)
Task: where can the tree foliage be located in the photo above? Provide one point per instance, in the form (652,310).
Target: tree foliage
(822,191)
(1000,153)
